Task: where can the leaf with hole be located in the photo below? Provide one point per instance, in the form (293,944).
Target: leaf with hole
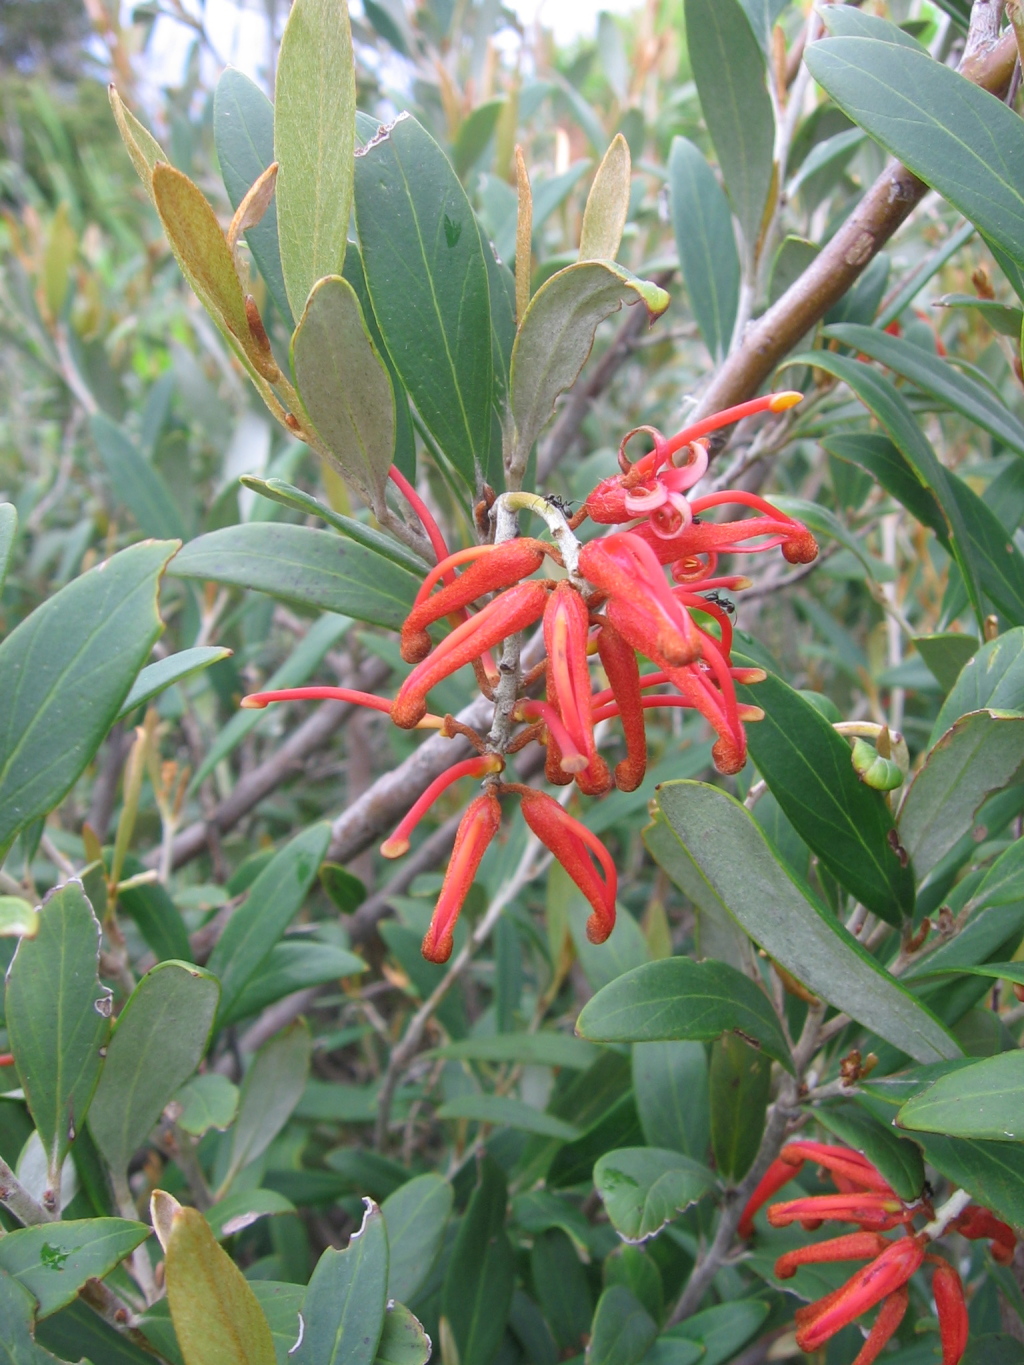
(54,1260)
(346,1299)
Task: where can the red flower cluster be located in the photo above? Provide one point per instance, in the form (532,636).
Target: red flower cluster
(614,603)
(866,1198)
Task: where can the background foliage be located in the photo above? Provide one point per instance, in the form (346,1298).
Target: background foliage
(286,1052)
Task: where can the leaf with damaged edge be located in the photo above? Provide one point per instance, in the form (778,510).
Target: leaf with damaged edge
(643,1188)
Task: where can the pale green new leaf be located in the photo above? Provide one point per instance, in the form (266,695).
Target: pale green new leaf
(607,205)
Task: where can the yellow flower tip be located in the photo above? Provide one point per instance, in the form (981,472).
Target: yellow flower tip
(787,399)
(252,703)
(429,722)
(741,581)
(573,763)
(394,848)
(492,763)
(750,713)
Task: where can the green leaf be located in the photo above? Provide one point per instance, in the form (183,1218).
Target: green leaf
(54,1260)
(344,1306)
(991,1172)
(292,966)
(643,1188)
(980,1101)
(216,1316)
(532,1049)
(978,755)
(206,1101)
(135,483)
(296,669)
(883,461)
(670,1082)
(946,654)
(314,141)
(243,132)
(507,1112)
(289,496)
(8,532)
(139,142)
(157,677)
(274,899)
(937,378)
(853,24)
(156,1044)
(882,397)
(808,770)
(281,1304)
(991,677)
(561,1288)
(601,962)
(604,215)
(76,1330)
(65,671)
(954,136)
(158,918)
(480,1277)
(425,269)
(17,1313)
(537,1211)
(702,222)
(737,871)
(18,918)
(622,1330)
(729,69)
(762,15)
(475,131)
(415,1216)
(58,1020)
(723,1330)
(739,1084)
(897,1159)
(1001,317)
(679,998)
(272,1088)
(303,565)
(345,387)
(403,1340)
(557,333)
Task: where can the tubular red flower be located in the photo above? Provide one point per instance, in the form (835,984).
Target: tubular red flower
(890,1315)
(505,614)
(798,547)
(841,1161)
(569,759)
(417,504)
(256,701)
(779,1173)
(976,1223)
(769,402)
(476,830)
(572,844)
(566,632)
(868,1286)
(878,1212)
(948,1291)
(492,567)
(480,766)
(618,660)
(641,606)
(854,1246)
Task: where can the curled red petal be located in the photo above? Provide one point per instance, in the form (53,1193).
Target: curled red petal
(779,1173)
(853,1246)
(844,1161)
(476,830)
(875,1211)
(868,1286)
(890,1315)
(619,662)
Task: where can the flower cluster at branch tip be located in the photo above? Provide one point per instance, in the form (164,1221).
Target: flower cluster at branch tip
(865,1197)
(613,603)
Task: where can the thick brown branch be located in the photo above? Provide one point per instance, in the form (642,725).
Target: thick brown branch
(887,204)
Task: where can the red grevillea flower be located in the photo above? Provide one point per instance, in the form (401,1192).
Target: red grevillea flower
(948,1292)
(478,827)
(976,1223)
(505,614)
(566,636)
(640,606)
(573,844)
(482,766)
(618,659)
(884,1275)
(854,1246)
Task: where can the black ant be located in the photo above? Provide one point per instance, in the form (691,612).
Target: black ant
(564,505)
(726,603)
